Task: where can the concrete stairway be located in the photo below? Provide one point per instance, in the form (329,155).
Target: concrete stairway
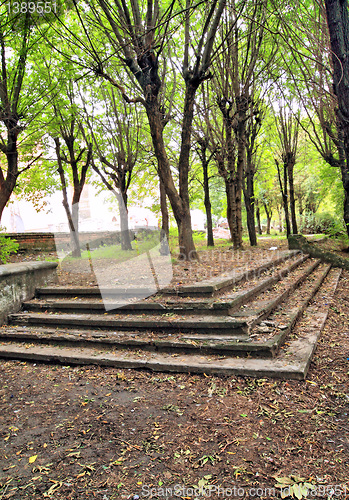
(247,322)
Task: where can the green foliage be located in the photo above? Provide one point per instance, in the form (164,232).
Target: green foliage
(323,222)
(143,243)
(7,246)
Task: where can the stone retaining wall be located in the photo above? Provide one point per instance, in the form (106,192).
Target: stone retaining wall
(18,283)
(299,242)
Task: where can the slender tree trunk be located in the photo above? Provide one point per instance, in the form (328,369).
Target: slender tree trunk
(240,133)
(284,195)
(250,204)
(258,217)
(233,180)
(290,168)
(208,209)
(280,220)
(185,234)
(207,201)
(285,203)
(269,214)
(237,237)
(165,225)
(230,210)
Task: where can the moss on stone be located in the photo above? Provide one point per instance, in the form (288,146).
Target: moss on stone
(299,242)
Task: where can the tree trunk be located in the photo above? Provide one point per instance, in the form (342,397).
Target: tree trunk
(338,25)
(74,235)
(179,206)
(185,233)
(258,217)
(165,225)
(230,210)
(75,207)
(280,220)
(125,239)
(283,189)
(290,168)
(7,185)
(5,195)
(230,170)
(269,215)
(240,133)
(207,201)
(250,204)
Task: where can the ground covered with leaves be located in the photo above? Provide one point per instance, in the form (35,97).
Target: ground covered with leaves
(103,433)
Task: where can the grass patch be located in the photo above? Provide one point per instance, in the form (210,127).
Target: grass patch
(114,252)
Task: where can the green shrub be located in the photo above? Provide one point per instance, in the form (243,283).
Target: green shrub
(7,246)
(324,223)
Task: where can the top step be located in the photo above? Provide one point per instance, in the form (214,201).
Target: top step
(206,288)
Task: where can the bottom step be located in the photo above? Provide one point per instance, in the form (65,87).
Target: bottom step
(292,362)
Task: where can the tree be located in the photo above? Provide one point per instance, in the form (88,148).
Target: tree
(310,70)
(288,128)
(63,123)
(20,96)
(137,39)
(338,26)
(116,135)
(253,127)
(202,152)
(239,73)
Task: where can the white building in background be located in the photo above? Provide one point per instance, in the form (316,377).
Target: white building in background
(198,220)
(97,213)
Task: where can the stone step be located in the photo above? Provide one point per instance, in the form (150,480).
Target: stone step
(218,284)
(291,362)
(172,306)
(85,306)
(95,292)
(172,323)
(262,307)
(234,300)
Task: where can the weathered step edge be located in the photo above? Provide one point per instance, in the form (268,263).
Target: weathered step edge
(217,324)
(93,291)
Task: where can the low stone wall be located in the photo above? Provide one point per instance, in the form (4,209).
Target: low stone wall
(36,242)
(299,242)
(18,283)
